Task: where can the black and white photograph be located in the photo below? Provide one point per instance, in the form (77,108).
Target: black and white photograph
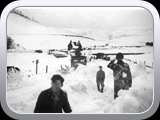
(80,60)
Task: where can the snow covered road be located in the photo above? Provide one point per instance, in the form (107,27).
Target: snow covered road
(83,95)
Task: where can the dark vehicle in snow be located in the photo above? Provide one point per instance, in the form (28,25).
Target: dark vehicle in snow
(75,60)
(102,56)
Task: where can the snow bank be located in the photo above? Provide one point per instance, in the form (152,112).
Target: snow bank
(80,85)
(140,96)
(135,100)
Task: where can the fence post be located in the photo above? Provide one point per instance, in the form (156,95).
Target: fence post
(144,62)
(46,68)
(37,61)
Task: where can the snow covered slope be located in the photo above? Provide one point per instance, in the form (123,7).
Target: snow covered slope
(32,35)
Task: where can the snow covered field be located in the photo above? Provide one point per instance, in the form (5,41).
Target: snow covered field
(24,87)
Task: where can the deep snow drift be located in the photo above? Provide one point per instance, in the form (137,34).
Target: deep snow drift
(23,88)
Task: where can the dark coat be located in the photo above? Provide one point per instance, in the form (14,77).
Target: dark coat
(122,76)
(100,76)
(70,46)
(118,69)
(46,104)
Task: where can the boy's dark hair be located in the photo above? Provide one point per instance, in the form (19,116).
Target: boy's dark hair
(100,66)
(119,56)
(57,77)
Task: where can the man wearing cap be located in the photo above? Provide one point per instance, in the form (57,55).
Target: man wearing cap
(122,74)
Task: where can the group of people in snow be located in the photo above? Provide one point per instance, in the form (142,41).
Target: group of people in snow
(55,100)
(77,51)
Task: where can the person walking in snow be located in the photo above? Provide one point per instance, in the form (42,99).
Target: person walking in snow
(54,99)
(100,77)
(122,74)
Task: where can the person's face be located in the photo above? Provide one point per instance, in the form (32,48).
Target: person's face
(119,59)
(56,85)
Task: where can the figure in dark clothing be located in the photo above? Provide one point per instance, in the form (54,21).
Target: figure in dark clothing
(70,45)
(78,52)
(79,49)
(122,74)
(54,99)
(100,77)
(80,46)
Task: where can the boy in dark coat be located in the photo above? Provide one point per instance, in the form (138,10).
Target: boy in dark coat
(54,99)
(100,76)
(122,74)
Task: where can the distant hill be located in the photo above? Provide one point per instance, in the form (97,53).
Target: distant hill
(32,35)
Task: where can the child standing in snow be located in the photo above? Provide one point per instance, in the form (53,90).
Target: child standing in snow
(122,74)
(100,76)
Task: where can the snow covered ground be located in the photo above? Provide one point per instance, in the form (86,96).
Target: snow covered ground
(24,87)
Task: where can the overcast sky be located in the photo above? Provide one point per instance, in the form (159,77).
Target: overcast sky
(90,17)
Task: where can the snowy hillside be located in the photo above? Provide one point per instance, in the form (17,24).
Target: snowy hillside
(32,35)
